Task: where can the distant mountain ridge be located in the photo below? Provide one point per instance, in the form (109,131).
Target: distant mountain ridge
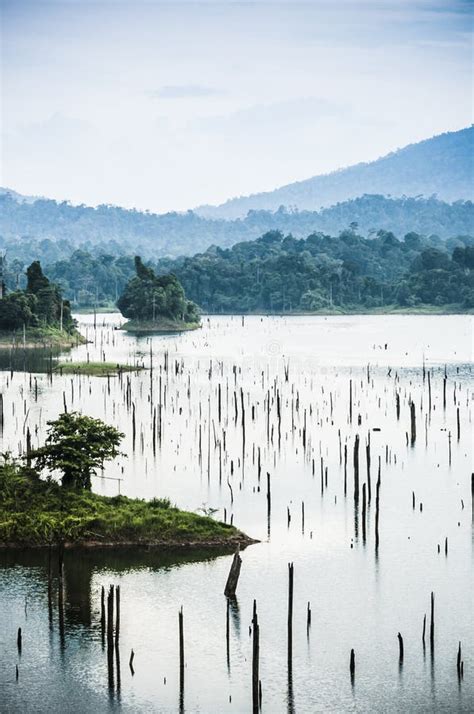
(441,166)
(51,231)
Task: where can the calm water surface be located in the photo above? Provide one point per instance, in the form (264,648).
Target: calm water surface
(306,368)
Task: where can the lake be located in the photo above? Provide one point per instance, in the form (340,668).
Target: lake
(235,400)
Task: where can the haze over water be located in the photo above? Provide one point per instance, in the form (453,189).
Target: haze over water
(359,599)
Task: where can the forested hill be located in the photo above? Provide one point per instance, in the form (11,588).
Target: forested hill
(278,273)
(441,165)
(50,231)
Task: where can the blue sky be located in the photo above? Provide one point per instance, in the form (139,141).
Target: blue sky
(165,106)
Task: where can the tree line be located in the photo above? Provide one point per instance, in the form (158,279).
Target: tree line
(52,231)
(278,273)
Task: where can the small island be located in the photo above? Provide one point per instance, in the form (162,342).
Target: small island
(156,303)
(96,369)
(37,512)
(37,316)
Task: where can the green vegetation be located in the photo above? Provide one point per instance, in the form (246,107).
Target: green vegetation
(38,312)
(280,273)
(77,445)
(156,302)
(34,512)
(147,327)
(95,369)
(350,273)
(51,231)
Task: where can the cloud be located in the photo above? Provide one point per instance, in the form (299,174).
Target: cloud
(185,91)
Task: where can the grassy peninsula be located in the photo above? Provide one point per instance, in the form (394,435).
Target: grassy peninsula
(36,512)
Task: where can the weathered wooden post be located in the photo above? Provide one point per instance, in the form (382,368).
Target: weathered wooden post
(290,610)
(400,649)
(110,637)
(181,660)
(110,616)
(19,641)
(352,666)
(377,508)
(233,577)
(117,616)
(412,423)
(432,623)
(356,469)
(255,659)
(102,615)
(460,663)
(364,512)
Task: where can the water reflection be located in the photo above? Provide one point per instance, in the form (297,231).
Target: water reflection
(365,559)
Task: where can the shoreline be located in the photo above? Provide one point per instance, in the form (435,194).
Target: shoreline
(241,540)
(425,310)
(15,341)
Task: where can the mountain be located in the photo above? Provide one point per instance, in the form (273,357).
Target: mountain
(441,166)
(51,231)
(18,196)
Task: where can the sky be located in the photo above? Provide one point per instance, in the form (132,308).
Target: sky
(169,105)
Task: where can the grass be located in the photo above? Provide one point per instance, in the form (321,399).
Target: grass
(40,336)
(35,512)
(95,369)
(164,324)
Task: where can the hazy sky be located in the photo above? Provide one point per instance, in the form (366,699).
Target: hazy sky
(169,105)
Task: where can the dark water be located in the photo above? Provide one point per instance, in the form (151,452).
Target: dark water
(32,359)
(360,598)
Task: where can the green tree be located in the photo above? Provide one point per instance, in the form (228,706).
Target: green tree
(77,445)
(17,309)
(149,297)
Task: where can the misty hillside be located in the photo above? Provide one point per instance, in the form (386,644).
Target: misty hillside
(51,231)
(442,165)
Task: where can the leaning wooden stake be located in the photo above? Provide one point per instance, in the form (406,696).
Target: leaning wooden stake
(233,578)
(400,649)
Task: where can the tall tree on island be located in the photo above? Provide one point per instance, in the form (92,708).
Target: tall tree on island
(150,298)
(41,304)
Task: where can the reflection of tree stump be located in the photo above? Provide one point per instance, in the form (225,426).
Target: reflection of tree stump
(234,573)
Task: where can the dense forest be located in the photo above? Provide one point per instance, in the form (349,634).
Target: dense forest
(39,305)
(278,273)
(149,298)
(52,231)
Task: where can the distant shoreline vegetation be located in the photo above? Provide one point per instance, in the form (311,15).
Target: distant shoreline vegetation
(156,303)
(37,315)
(278,274)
